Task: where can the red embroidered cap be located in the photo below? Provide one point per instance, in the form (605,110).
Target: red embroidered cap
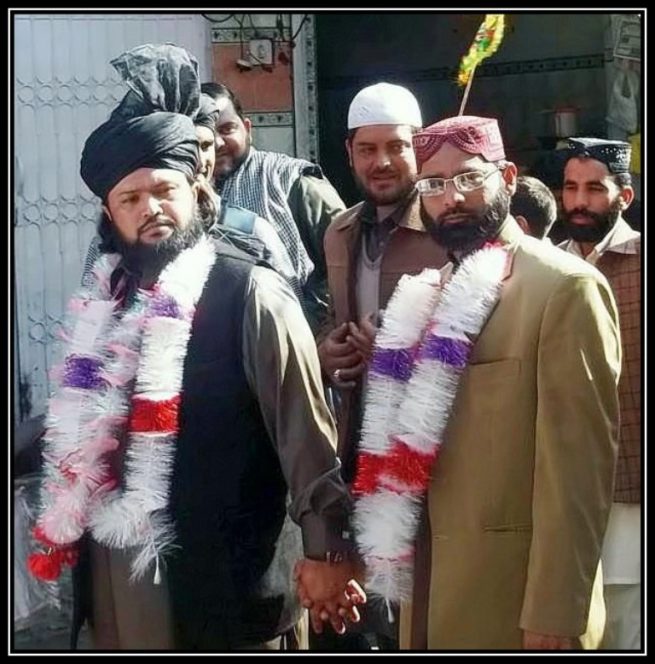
(469,133)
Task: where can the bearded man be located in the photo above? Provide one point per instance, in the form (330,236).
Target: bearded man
(171,463)
(491,479)
(164,77)
(372,244)
(292,194)
(597,190)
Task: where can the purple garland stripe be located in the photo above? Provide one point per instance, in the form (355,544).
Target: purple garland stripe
(394,363)
(165,306)
(82,372)
(446,349)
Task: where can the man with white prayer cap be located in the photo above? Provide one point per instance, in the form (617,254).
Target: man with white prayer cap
(367,249)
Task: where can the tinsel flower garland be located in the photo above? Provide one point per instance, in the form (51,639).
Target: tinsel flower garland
(121,375)
(420,353)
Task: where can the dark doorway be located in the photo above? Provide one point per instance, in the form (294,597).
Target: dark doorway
(546,61)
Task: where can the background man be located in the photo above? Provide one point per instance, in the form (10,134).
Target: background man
(371,245)
(368,248)
(597,191)
(533,206)
(293,194)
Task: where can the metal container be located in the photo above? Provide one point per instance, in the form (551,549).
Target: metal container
(565,122)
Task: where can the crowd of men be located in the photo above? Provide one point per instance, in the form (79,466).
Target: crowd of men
(281,424)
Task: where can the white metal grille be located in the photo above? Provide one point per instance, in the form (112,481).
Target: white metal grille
(64,87)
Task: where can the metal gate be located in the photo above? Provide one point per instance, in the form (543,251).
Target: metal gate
(64,87)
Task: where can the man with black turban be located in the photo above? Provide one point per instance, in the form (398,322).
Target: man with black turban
(597,191)
(164,77)
(187,430)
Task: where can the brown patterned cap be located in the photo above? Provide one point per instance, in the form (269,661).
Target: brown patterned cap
(469,133)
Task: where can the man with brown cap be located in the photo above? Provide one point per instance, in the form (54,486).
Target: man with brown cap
(517,476)
(597,190)
(170,466)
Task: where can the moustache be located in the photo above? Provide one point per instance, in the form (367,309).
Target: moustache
(387,170)
(159,221)
(456,212)
(584,213)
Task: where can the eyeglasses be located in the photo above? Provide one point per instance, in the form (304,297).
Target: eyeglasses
(464,183)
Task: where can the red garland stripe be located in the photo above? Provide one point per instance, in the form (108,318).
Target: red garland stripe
(43,566)
(409,466)
(155,416)
(402,464)
(369,469)
(47,566)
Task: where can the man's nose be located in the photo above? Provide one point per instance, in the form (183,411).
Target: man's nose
(581,200)
(152,207)
(218,142)
(382,159)
(452,196)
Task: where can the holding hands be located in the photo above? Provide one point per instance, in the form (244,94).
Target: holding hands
(330,591)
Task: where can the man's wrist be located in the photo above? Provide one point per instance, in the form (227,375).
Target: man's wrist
(334,557)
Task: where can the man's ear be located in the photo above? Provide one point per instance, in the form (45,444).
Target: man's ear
(248,125)
(105,209)
(195,188)
(349,151)
(523,223)
(626,196)
(510,173)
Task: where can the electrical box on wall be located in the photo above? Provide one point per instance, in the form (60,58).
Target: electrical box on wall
(261,51)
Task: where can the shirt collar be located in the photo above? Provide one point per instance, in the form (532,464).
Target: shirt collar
(621,239)
(369,214)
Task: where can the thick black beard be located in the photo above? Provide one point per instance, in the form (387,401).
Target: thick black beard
(603,223)
(467,236)
(150,259)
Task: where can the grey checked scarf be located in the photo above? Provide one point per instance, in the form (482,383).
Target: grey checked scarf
(262,184)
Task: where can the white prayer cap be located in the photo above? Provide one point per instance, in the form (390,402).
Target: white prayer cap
(384,103)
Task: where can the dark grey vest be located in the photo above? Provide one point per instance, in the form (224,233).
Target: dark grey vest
(230,580)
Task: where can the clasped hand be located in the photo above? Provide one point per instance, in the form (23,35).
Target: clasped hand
(330,592)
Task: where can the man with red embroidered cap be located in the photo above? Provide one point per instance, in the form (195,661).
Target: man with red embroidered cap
(597,190)
(171,465)
(506,423)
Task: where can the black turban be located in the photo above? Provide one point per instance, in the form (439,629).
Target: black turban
(161,77)
(614,154)
(208,112)
(119,147)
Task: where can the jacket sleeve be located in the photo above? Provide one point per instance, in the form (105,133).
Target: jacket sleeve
(281,364)
(314,203)
(576,442)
